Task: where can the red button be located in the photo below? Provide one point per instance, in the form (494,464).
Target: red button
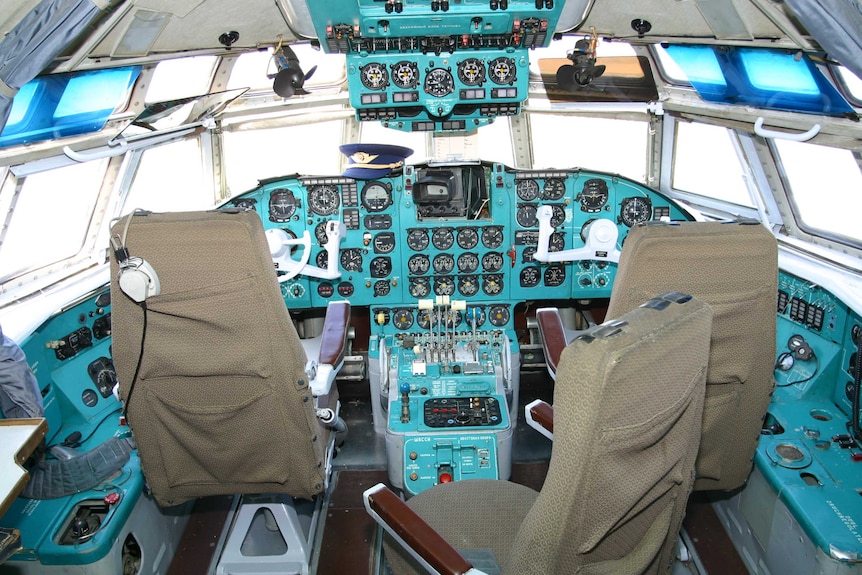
(445,478)
(112,498)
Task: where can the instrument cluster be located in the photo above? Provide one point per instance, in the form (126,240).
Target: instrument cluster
(393,254)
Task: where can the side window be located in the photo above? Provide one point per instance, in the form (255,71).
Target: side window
(814,173)
(51,217)
(608,145)
(705,163)
(253,155)
(170,178)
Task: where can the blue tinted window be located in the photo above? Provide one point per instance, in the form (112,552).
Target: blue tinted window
(61,105)
(778,71)
(761,77)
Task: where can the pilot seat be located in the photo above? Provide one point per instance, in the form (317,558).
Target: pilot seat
(216,384)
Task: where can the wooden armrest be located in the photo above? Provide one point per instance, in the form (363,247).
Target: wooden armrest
(413,532)
(540,416)
(334,338)
(553,336)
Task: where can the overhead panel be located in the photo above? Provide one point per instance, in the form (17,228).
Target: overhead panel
(435,65)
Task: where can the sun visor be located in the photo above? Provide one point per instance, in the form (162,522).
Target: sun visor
(761,77)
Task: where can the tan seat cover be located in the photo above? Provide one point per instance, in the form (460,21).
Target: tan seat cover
(221,403)
(733,267)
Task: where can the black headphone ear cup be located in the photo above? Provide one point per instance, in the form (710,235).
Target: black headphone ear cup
(795,341)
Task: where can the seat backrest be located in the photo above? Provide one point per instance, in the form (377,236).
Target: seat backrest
(627,412)
(220,402)
(733,267)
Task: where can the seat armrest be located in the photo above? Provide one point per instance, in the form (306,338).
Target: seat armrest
(333,342)
(540,416)
(553,336)
(334,338)
(414,534)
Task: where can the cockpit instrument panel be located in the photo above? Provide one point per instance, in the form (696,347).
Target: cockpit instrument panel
(435,66)
(466,230)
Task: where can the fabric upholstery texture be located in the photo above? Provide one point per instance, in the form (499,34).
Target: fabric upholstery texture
(734,268)
(221,403)
(627,418)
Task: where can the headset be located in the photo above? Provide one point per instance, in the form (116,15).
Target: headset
(137,278)
(800,350)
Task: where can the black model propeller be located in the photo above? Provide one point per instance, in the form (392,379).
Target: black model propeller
(583,70)
(290,78)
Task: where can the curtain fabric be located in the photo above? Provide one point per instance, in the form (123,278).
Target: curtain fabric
(837,27)
(37,39)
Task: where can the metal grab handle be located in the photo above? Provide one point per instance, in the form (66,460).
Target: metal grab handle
(115,148)
(798,137)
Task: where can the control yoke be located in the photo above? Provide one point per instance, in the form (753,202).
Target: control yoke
(281,246)
(601,242)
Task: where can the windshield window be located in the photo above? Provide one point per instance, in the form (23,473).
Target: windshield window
(256,70)
(614,146)
(51,217)
(170,178)
(181,78)
(814,172)
(308,149)
(705,163)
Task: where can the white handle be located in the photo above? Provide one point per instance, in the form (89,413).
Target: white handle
(798,137)
(115,148)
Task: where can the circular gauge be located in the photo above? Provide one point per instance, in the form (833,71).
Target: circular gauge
(502,70)
(492,262)
(282,205)
(585,229)
(325,289)
(492,237)
(558,215)
(635,210)
(424,318)
(384,242)
(419,287)
(245,204)
(89,397)
(468,285)
(320,233)
(292,290)
(471,72)
(443,263)
(498,315)
(467,238)
(492,284)
(528,190)
(555,276)
(417,239)
(405,74)
(453,319)
(351,259)
(402,319)
(323,200)
(380,267)
(527,255)
(376,196)
(444,285)
(381,288)
(554,189)
(322,259)
(345,289)
(594,195)
(474,315)
(442,238)
(526,216)
(530,276)
(418,264)
(439,82)
(468,262)
(374,76)
(557,243)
